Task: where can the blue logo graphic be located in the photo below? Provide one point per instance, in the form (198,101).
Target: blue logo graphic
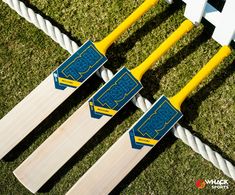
(79,67)
(115,94)
(154,124)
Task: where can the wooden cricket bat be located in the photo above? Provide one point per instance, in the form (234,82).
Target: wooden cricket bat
(59,85)
(87,120)
(134,144)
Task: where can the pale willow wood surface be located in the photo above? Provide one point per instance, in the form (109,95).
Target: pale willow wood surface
(58,148)
(29,113)
(110,169)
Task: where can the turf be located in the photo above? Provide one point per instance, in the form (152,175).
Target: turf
(27,56)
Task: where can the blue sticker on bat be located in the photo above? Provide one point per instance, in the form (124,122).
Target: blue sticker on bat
(78,67)
(114,94)
(154,124)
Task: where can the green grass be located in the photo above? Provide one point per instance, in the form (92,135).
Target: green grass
(27,56)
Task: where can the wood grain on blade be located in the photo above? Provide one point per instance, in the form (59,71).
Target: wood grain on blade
(110,169)
(32,110)
(77,130)
(58,148)
(123,156)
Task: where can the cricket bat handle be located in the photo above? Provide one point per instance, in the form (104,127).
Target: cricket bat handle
(103,45)
(185,27)
(178,99)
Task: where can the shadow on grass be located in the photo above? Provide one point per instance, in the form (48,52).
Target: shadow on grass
(196,100)
(91,85)
(53,22)
(117,53)
(88,147)
(152,78)
(190,105)
(163,145)
(64,108)
(77,97)
(193,103)
(80,94)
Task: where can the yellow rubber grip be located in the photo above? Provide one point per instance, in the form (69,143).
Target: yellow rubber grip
(139,71)
(103,45)
(178,99)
